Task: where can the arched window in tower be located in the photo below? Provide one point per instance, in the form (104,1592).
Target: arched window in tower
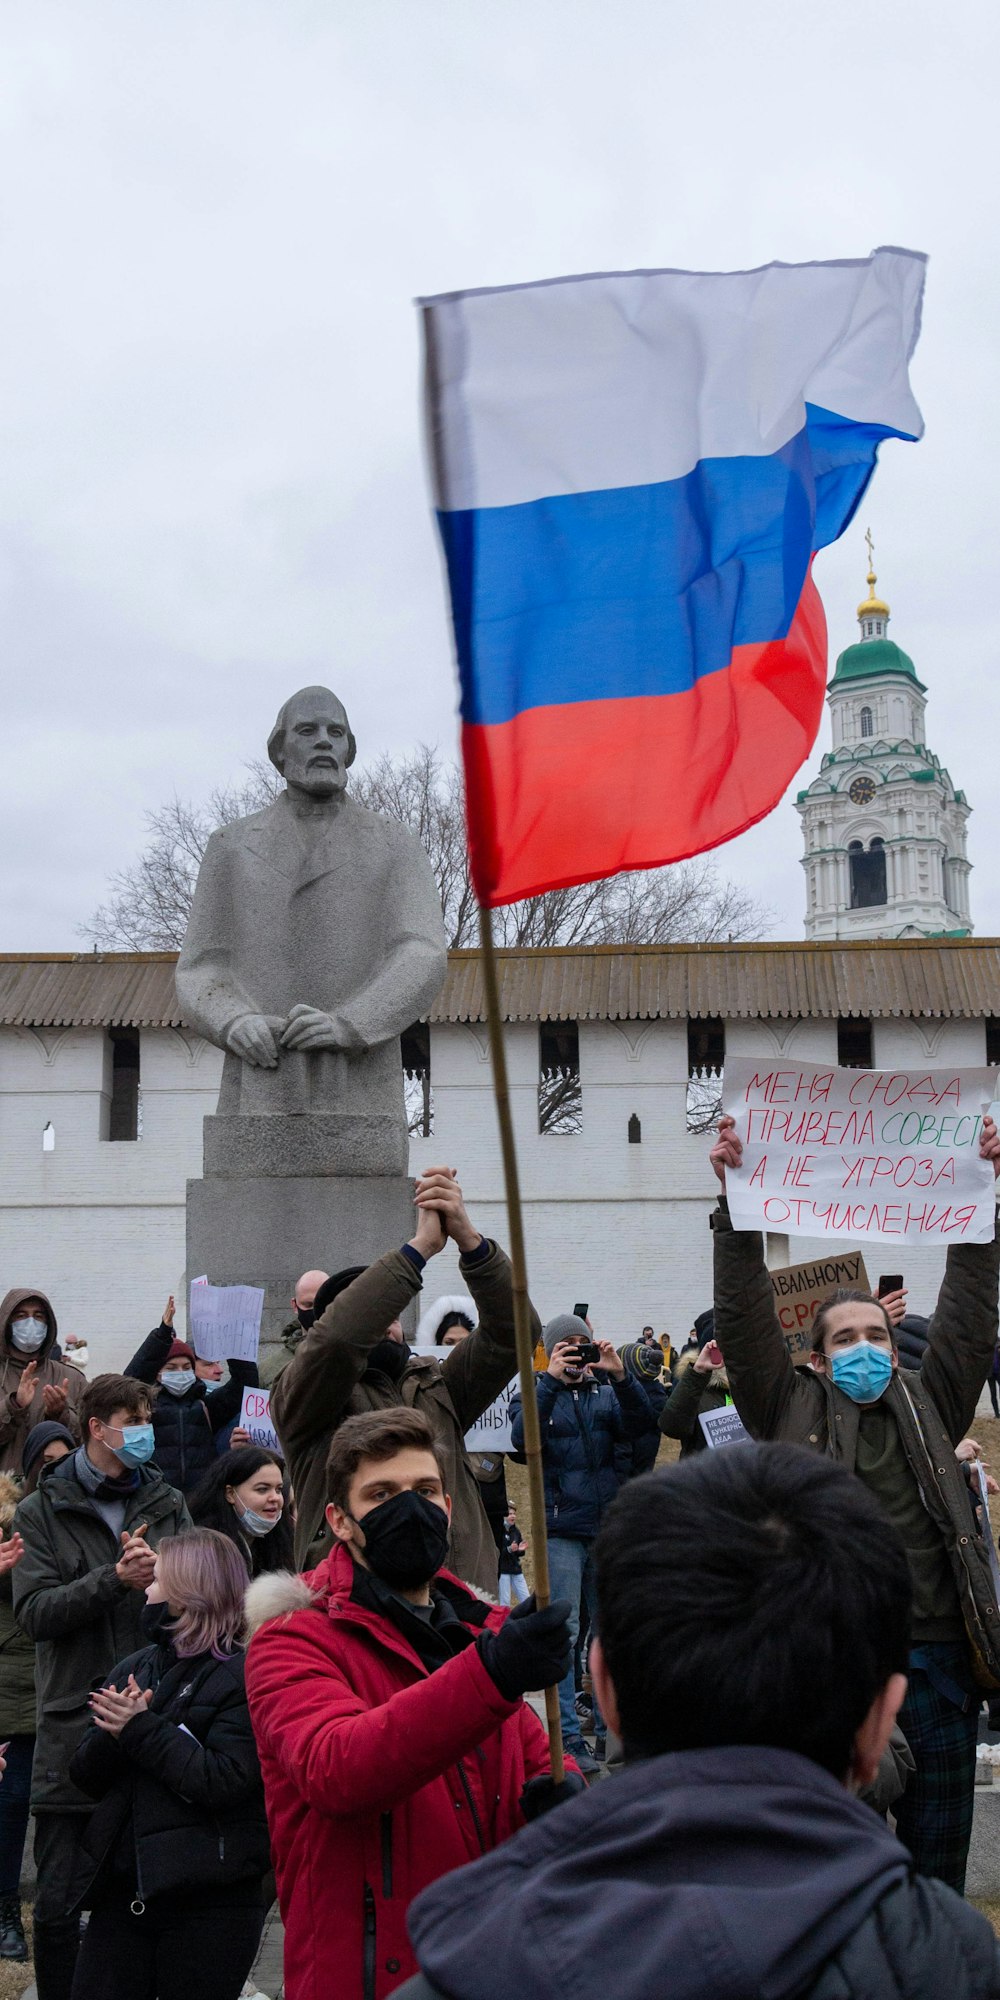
(868,882)
(867,722)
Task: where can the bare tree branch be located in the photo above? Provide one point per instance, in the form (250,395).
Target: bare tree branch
(147,904)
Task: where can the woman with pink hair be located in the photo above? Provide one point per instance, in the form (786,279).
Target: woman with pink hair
(177,1846)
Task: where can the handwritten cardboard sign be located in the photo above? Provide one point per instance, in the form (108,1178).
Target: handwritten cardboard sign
(255,1417)
(799,1291)
(886,1156)
(492,1432)
(225,1321)
(723,1427)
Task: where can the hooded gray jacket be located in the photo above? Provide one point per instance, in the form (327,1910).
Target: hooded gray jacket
(15,1422)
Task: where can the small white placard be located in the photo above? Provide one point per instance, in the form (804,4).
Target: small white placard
(224,1321)
(255,1418)
(723,1427)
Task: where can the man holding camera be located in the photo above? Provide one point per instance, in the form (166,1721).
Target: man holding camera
(587,1406)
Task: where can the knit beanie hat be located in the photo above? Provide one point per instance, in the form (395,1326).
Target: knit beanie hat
(39,1437)
(565,1326)
(704,1327)
(179,1351)
(332,1287)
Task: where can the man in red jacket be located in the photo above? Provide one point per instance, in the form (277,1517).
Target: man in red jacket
(387,1705)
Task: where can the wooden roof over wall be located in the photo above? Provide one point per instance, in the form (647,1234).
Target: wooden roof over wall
(882,979)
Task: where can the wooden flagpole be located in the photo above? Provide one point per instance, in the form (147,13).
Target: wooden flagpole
(522,1316)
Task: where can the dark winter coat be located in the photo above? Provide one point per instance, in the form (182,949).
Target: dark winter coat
(15,1423)
(185,1427)
(328,1379)
(17,1653)
(277,1356)
(582,1424)
(933,1408)
(691,1394)
(711,1875)
(640,1454)
(69,1600)
(186,1773)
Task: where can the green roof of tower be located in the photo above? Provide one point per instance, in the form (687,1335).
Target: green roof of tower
(870,658)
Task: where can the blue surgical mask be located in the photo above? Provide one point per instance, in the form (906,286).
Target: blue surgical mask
(28,1335)
(862,1371)
(137,1445)
(178,1380)
(253,1523)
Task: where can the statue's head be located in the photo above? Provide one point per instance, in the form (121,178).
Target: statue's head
(311,743)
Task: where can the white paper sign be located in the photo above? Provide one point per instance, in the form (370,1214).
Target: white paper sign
(723,1427)
(224,1321)
(887,1156)
(492,1432)
(255,1417)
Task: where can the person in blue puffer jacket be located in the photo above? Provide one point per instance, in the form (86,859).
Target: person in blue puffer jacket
(585,1413)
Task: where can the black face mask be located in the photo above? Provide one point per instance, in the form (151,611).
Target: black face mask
(406,1540)
(155,1621)
(389,1357)
(305,1317)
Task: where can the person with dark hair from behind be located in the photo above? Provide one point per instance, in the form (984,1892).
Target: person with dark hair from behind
(897,1433)
(174,1854)
(755,1691)
(245,1496)
(90,1533)
(387,1703)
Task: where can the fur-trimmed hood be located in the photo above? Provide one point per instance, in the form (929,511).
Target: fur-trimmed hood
(275,1594)
(718,1379)
(431,1318)
(10,1495)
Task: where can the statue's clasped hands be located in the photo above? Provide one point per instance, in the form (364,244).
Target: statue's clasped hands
(253,1036)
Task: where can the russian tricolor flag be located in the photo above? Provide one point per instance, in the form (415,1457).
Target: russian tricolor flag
(632,473)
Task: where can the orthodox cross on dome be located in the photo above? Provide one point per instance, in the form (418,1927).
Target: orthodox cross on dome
(873,614)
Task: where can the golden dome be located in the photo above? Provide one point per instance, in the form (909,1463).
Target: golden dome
(873,607)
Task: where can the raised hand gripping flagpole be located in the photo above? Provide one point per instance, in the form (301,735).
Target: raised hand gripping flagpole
(522,1316)
(633,471)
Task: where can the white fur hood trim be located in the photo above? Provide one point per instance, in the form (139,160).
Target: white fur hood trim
(430,1320)
(275,1595)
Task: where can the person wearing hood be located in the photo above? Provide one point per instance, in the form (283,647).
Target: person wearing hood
(90,1532)
(586,1413)
(755,1690)
(896,1432)
(386,1698)
(700,1384)
(186,1418)
(355,1358)
(33,1385)
(450,1320)
(173,1856)
(294,1331)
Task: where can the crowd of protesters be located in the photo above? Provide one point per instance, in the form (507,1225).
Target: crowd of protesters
(219,1660)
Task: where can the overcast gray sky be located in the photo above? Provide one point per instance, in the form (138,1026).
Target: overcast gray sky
(215,217)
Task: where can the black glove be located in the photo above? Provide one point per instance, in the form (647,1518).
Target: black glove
(541,1794)
(531,1650)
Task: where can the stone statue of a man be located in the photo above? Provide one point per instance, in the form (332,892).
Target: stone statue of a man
(315,938)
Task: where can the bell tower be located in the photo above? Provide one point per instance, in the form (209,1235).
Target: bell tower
(883,826)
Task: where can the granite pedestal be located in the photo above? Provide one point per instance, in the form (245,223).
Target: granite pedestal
(254,1220)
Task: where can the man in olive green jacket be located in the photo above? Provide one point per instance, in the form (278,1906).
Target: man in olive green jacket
(898,1432)
(90,1531)
(354,1359)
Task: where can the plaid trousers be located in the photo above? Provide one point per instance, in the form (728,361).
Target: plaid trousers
(934,1815)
